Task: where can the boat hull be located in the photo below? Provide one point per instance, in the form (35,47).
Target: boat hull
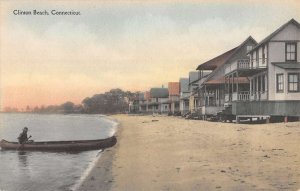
(79,145)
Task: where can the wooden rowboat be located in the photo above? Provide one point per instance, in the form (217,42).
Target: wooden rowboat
(79,145)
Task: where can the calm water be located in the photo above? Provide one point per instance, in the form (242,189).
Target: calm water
(32,171)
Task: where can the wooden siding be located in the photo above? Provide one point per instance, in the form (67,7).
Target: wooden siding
(273,108)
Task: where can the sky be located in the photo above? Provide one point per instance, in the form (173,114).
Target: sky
(132,45)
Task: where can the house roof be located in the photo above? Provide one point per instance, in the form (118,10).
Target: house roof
(268,38)
(173,88)
(223,58)
(217,61)
(159,93)
(287,65)
(231,54)
(240,80)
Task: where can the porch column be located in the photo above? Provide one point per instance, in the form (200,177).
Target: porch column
(205,95)
(225,90)
(232,87)
(250,87)
(266,83)
(257,84)
(261,82)
(237,85)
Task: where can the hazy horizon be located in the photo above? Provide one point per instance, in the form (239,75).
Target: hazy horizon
(132,45)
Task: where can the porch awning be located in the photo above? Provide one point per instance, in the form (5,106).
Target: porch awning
(287,65)
(240,80)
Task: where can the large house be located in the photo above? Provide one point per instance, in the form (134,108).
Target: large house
(273,68)
(211,92)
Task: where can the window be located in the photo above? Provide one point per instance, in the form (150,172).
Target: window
(259,83)
(252,86)
(249,47)
(291,51)
(293,82)
(263,83)
(263,55)
(279,85)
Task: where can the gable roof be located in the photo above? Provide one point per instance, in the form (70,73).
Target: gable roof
(235,50)
(293,21)
(217,61)
(159,93)
(223,58)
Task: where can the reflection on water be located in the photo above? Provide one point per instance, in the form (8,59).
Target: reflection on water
(22,158)
(30,170)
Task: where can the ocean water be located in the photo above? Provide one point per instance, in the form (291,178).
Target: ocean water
(42,171)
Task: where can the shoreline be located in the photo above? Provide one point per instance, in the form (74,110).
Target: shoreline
(100,175)
(170,153)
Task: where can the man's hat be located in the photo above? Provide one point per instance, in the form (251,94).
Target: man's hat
(25,128)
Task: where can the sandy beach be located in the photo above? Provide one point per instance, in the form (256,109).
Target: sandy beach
(171,153)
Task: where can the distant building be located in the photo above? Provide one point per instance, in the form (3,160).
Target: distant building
(195,82)
(173,88)
(135,103)
(184,95)
(159,100)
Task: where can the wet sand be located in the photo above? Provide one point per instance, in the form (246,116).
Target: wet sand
(170,153)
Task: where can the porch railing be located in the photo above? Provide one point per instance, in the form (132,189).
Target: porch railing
(241,96)
(243,64)
(244,96)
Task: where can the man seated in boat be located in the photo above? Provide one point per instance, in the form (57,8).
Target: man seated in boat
(23,136)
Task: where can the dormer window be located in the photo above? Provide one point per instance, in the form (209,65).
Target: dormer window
(249,47)
(290,51)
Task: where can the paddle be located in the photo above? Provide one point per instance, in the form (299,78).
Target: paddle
(24,142)
(28,138)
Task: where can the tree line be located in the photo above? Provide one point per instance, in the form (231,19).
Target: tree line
(113,101)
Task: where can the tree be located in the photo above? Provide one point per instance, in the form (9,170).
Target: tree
(67,107)
(28,109)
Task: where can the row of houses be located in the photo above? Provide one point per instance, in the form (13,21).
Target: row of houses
(158,100)
(251,80)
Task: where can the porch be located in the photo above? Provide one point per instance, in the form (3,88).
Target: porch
(246,96)
(246,67)
(246,88)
